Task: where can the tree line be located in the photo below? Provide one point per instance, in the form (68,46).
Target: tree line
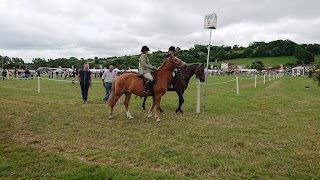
(304,54)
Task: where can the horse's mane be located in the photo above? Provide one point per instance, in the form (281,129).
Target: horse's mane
(192,65)
(164,62)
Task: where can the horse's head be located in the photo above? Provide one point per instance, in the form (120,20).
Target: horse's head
(177,63)
(200,73)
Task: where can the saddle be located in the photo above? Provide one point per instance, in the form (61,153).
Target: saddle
(145,79)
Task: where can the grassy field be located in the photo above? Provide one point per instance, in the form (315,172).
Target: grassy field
(316,59)
(267,61)
(268,132)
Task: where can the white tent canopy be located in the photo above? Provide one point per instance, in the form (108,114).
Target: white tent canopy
(298,71)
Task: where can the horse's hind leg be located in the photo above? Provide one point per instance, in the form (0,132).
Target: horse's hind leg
(112,103)
(126,104)
(157,103)
(144,103)
(181,101)
(151,109)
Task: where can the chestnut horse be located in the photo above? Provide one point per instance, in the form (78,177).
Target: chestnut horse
(130,83)
(181,81)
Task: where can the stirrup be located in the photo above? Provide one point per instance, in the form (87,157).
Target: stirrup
(147,92)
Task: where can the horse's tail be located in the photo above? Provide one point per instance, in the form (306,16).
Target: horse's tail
(111,97)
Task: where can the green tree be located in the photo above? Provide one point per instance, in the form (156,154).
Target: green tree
(257,65)
(313,48)
(38,62)
(246,53)
(289,48)
(262,51)
(307,57)
(275,52)
(303,56)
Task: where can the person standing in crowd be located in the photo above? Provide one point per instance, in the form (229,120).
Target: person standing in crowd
(27,73)
(4,74)
(85,80)
(66,72)
(73,75)
(107,79)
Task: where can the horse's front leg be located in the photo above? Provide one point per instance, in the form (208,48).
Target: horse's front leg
(151,109)
(181,101)
(157,102)
(126,104)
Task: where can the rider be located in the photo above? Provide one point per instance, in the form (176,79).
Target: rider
(170,54)
(146,68)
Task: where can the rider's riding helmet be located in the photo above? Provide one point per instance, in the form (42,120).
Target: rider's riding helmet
(172,48)
(145,48)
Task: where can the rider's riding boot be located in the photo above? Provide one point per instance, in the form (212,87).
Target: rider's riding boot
(147,87)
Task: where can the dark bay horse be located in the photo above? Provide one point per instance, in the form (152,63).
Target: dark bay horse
(130,83)
(181,81)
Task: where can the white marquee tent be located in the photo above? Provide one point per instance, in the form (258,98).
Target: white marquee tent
(298,71)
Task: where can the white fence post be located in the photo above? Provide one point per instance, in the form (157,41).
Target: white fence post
(38,84)
(273,77)
(269,77)
(255,81)
(264,79)
(237,84)
(198,97)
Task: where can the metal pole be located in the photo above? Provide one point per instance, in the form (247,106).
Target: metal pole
(207,68)
(198,97)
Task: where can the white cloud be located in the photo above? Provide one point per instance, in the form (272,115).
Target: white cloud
(52,29)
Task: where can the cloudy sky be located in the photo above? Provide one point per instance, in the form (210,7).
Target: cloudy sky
(104,28)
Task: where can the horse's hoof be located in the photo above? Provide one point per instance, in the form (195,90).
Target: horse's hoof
(158,120)
(110,117)
(130,117)
(161,111)
(177,110)
(150,116)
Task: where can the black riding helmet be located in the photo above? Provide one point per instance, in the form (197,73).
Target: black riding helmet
(145,48)
(172,48)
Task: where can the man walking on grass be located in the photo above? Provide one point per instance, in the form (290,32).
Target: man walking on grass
(85,80)
(107,79)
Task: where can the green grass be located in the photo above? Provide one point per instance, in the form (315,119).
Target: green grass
(316,59)
(268,132)
(267,61)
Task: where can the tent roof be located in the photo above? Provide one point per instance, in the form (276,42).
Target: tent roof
(299,67)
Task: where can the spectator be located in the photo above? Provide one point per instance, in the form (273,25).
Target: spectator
(27,74)
(107,79)
(73,75)
(4,74)
(85,80)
